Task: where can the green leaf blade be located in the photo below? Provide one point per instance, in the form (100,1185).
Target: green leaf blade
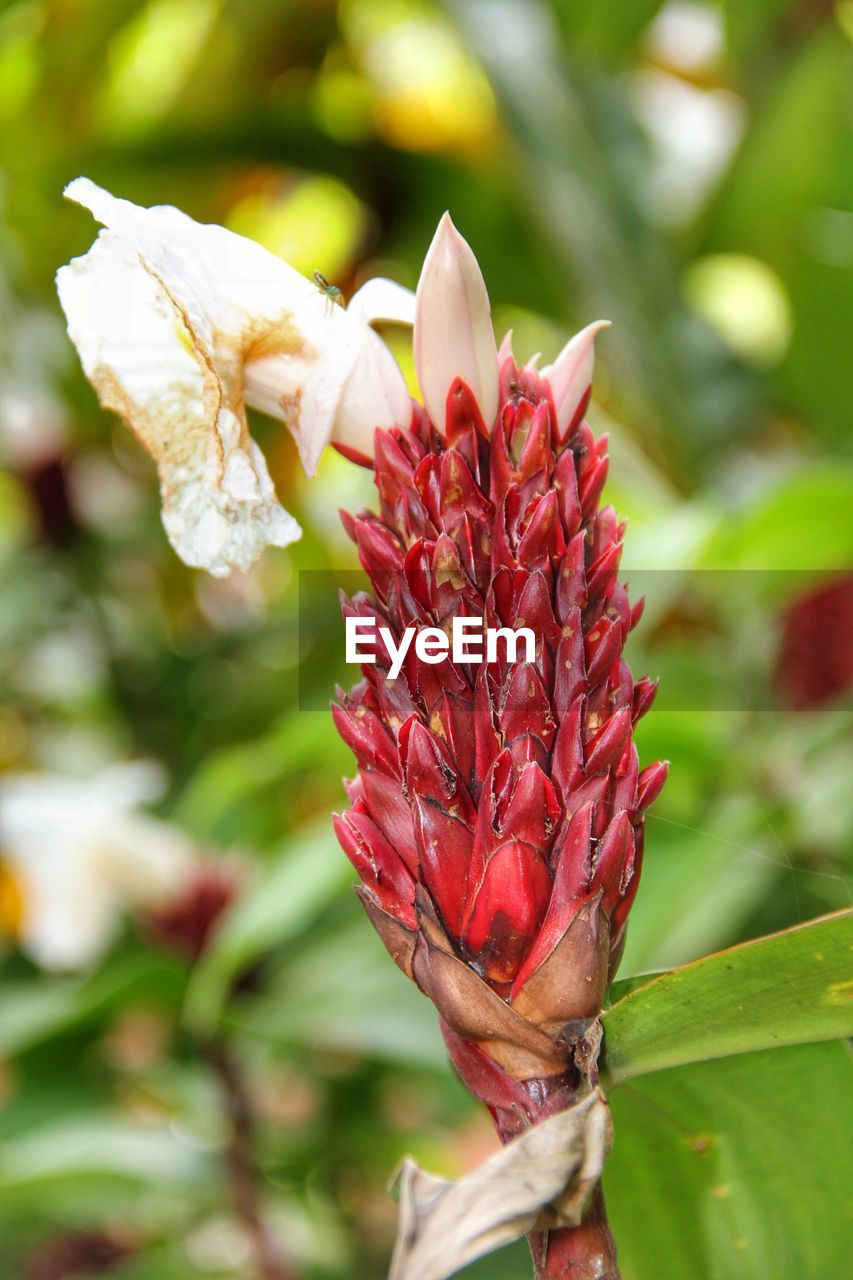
(793,987)
(734,1170)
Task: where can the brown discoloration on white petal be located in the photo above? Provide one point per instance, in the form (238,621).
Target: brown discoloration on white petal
(178,326)
(150,363)
(281,339)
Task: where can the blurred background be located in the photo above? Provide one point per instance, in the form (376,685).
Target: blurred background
(683,169)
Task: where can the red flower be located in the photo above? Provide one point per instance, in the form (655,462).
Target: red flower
(815,662)
(497,815)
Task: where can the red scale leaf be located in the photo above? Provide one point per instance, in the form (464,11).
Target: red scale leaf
(619,609)
(589,491)
(377,864)
(536,456)
(567,766)
(533,810)
(629,892)
(594,792)
(534,608)
(487,742)
(368,738)
(503,555)
(543,539)
(570,679)
(389,809)
(650,783)
(636,612)
(507,912)
(445,843)
(571,590)
(602,647)
(463,413)
(625,787)
(571,885)
(645,692)
(605,748)
(378,547)
(601,576)
(459,495)
(566,487)
(614,859)
(451,586)
(430,773)
(502,470)
(525,708)
(427,481)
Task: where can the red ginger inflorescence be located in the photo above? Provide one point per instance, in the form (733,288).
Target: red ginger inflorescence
(497,815)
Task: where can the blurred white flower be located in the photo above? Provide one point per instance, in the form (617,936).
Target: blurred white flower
(693,134)
(180,325)
(76,854)
(687,35)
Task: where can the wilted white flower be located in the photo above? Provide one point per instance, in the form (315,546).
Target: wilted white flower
(180,325)
(75,854)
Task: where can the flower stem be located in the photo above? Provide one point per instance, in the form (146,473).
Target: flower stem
(586,1252)
(243,1179)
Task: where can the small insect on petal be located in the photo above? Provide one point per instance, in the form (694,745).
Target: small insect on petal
(331,291)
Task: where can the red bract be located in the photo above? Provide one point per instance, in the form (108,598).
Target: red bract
(505,797)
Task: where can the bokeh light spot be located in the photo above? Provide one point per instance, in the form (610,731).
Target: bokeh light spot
(150,60)
(431,94)
(745,302)
(313,223)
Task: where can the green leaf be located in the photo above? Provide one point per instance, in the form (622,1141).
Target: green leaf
(309,873)
(609,32)
(790,988)
(734,1170)
(32,1012)
(788,163)
(702,879)
(95,1145)
(342,993)
(803,523)
(229,780)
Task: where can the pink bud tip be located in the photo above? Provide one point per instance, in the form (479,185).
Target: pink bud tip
(453,327)
(570,375)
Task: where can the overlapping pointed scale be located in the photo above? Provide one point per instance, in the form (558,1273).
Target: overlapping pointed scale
(508,792)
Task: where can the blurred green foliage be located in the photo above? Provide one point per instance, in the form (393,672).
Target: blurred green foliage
(685,170)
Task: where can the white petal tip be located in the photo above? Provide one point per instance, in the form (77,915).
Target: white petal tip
(570,375)
(80,190)
(454,337)
(506,352)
